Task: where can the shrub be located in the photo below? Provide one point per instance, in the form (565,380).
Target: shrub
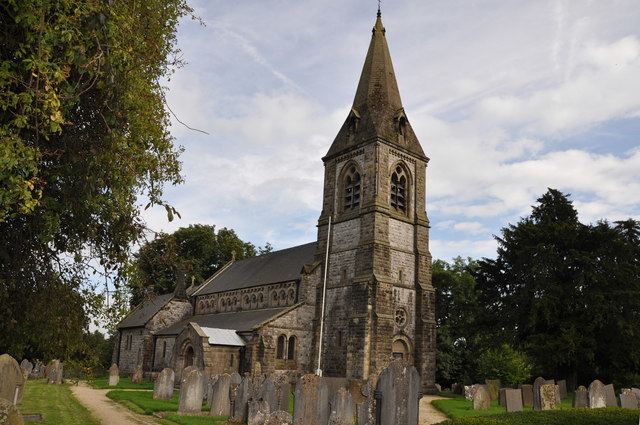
(506,364)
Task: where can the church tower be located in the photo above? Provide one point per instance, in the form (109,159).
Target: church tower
(379,298)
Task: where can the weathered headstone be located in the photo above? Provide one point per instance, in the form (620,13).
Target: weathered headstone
(562,386)
(628,401)
(399,390)
(219,399)
(581,397)
(481,398)
(636,391)
(494,387)
(136,377)
(341,408)
(241,400)
(269,393)
(191,392)
(501,396)
(9,414)
(610,396)
(513,400)
(257,412)
(536,392)
(163,386)
(597,395)
(548,397)
(209,386)
(469,391)
(54,372)
(114,375)
(38,370)
(27,367)
(438,387)
(283,391)
(527,394)
(311,401)
(366,408)
(11,379)
(279,417)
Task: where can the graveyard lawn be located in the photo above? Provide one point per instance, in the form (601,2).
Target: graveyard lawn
(142,402)
(456,406)
(608,416)
(175,418)
(124,384)
(56,403)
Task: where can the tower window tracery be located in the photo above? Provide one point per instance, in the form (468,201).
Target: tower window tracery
(399,190)
(351,189)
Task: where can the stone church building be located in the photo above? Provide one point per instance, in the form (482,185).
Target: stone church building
(278,313)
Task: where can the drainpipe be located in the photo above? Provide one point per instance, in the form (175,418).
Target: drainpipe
(324,296)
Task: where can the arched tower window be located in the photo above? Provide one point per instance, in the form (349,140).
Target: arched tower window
(351,189)
(282,342)
(399,190)
(291,352)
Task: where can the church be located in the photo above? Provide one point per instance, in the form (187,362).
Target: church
(345,305)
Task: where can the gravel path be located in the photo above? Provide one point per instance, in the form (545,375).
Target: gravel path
(429,414)
(106,410)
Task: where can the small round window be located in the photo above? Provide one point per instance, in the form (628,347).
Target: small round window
(401,317)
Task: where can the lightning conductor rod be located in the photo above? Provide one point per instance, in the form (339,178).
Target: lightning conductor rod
(324,293)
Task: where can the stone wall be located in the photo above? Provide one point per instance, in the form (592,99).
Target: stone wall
(163,351)
(130,357)
(258,297)
(221,359)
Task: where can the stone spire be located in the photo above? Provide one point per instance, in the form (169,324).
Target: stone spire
(180,292)
(377,111)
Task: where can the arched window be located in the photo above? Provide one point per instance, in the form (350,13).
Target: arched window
(399,190)
(282,342)
(291,351)
(351,189)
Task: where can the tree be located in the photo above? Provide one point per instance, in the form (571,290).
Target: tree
(456,310)
(196,250)
(83,136)
(566,293)
(511,367)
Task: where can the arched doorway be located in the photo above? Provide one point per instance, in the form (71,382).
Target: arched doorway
(400,349)
(188,356)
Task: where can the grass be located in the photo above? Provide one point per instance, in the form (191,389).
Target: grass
(194,420)
(124,384)
(56,403)
(609,416)
(143,402)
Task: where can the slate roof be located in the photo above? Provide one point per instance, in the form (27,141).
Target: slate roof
(241,321)
(145,311)
(278,266)
(377,104)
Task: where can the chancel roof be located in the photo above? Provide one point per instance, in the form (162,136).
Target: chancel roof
(274,267)
(240,321)
(377,107)
(144,311)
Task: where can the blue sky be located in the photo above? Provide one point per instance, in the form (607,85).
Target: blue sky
(507,99)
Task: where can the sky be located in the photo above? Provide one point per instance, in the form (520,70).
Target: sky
(508,98)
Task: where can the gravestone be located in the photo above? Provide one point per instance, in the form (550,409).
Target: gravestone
(279,417)
(163,386)
(311,404)
(114,375)
(11,379)
(283,390)
(209,386)
(398,389)
(269,393)
(628,401)
(136,377)
(636,391)
(513,400)
(55,370)
(581,397)
(597,395)
(536,392)
(191,392)
(494,387)
(341,408)
(366,408)
(9,414)
(219,398)
(241,400)
(234,383)
(257,412)
(610,396)
(501,397)
(481,398)
(469,391)
(27,367)
(527,394)
(38,370)
(562,386)
(548,397)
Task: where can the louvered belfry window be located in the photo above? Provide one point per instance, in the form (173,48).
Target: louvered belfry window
(399,190)
(352,189)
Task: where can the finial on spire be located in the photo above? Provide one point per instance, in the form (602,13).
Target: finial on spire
(379,13)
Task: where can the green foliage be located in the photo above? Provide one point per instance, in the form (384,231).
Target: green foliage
(198,250)
(511,367)
(102,383)
(83,136)
(456,310)
(56,403)
(566,293)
